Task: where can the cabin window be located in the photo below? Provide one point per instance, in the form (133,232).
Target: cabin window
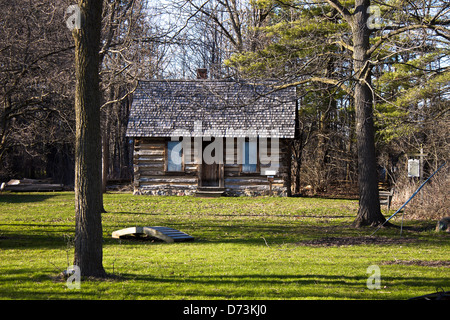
(250,157)
(174,156)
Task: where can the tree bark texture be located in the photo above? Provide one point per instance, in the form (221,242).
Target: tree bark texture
(105,156)
(369,212)
(88,178)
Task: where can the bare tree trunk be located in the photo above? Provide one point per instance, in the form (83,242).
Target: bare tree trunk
(106,141)
(88,192)
(105,157)
(4,125)
(297,149)
(369,206)
(319,157)
(349,152)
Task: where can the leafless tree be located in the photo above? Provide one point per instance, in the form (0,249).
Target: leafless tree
(36,80)
(88,194)
(207,32)
(133,48)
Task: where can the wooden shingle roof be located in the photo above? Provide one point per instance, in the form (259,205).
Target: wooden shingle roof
(222,107)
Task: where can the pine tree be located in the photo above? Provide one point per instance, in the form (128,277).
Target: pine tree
(359,37)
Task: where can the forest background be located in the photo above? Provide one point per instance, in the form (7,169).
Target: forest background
(307,44)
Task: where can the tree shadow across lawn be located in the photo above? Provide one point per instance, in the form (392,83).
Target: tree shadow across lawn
(8,197)
(49,239)
(273,286)
(356,240)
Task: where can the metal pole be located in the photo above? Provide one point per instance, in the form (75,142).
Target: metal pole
(413,195)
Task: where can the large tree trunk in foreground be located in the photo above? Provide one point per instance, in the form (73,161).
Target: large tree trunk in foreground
(88,178)
(369,212)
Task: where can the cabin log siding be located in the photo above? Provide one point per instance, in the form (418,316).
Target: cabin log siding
(151,176)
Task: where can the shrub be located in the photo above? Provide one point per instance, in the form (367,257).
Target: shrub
(431,202)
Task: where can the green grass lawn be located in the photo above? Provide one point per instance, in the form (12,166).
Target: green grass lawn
(244,248)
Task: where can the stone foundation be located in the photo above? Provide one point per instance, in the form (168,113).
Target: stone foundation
(165,191)
(253,191)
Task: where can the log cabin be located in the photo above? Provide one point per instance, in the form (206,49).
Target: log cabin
(210,137)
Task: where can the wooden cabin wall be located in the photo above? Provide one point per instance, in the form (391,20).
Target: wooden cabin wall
(151,178)
(238,183)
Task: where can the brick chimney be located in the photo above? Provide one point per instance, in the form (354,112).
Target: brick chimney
(202,73)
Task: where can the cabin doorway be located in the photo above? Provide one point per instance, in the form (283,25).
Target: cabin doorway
(210,173)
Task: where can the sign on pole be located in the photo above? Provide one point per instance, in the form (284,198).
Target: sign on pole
(413,168)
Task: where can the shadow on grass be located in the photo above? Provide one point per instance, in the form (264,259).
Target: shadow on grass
(258,232)
(24,197)
(52,236)
(16,284)
(49,239)
(275,286)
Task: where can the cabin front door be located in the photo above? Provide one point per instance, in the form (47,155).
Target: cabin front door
(210,172)
(210,175)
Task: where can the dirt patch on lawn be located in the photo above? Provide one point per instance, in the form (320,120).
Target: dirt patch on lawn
(353,241)
(422,263)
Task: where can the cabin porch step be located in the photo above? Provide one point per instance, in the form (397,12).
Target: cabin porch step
(209,192)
